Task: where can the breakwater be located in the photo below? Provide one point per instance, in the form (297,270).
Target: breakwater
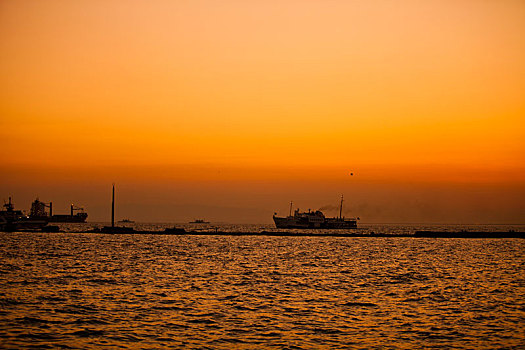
(117,230)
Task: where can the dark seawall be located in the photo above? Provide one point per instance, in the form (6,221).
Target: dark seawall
(417,234)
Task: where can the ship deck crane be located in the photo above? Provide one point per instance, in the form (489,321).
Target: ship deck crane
(74,208)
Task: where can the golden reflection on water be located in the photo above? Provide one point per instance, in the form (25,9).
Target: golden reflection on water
(89,291)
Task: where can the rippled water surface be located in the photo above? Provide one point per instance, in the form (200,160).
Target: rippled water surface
(78,290)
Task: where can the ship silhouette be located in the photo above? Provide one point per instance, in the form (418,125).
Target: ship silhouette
(12,219)
(199,221)
(38,211)
(314,220)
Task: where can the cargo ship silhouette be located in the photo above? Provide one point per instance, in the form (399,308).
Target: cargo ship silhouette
(15,220)
(38,211)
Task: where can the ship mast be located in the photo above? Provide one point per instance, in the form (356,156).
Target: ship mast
(341,208)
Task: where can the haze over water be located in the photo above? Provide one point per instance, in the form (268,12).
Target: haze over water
(147,291)
(231,109)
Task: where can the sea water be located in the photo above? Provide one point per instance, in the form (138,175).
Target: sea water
(80,290)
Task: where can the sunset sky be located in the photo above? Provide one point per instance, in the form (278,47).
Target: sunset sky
(230,109)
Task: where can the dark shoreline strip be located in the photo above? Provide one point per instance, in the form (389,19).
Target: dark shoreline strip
(418,234)
(469,234)
(181,232)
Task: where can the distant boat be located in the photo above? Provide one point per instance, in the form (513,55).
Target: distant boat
(199,221)
(126,221)
(314,220)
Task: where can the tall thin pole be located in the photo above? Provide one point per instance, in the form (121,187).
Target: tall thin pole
(113,208)
(341,208)
(291,203)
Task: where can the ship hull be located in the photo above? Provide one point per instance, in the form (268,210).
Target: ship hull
(21,224)
(289,223)
(299,223)
(78,218)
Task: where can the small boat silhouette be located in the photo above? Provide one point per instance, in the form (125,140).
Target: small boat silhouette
(199,221)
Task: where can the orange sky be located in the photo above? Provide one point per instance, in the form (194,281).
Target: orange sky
(226,100)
